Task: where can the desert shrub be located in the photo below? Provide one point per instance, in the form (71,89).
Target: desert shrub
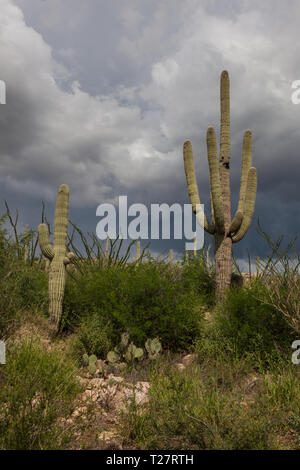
(282,292)
(281,279)
(249,326)
(37,390)
(148,300)
(23,286)
(32,287)
(197,409)
(197,275)
(94,336)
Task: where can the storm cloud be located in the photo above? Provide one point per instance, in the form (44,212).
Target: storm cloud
(102,95)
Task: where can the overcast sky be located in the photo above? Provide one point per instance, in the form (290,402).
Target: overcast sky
(101,96)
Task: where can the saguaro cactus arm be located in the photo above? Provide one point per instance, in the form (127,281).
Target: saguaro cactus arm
(249,205)
(44,241)
(189,168)
(236,222)
(246,165)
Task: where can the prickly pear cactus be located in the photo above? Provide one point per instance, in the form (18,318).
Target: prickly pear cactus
(133,353)
(153,347)
(113,357)
(85,359)
(57,255)
(92,363)
(129,353)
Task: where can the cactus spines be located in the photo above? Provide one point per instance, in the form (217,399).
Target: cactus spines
(224,229)
(57,255)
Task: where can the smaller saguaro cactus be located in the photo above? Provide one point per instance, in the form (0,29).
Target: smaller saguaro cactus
(171,256)
(57,255)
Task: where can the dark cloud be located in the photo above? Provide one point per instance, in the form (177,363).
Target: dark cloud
(101,96)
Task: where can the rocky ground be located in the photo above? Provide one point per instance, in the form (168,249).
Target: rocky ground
(104,399)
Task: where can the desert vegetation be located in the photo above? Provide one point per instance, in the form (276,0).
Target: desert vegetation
(219,374)
(108,347)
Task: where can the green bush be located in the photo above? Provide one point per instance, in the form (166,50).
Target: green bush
(22,288)
(94,336)
(198,276)
(149,300)
(248,326)
(37,390)
(196,410)
(32,287)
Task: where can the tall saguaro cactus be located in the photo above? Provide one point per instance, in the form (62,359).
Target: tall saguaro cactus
(224,229)
(57,255)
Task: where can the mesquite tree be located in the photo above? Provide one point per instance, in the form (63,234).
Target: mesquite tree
(224,229)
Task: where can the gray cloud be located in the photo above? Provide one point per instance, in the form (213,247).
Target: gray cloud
(101,96)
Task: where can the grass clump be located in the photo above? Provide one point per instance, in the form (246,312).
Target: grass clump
(216,405)
(37,392)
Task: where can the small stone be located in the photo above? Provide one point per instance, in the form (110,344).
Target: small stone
(189,359)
